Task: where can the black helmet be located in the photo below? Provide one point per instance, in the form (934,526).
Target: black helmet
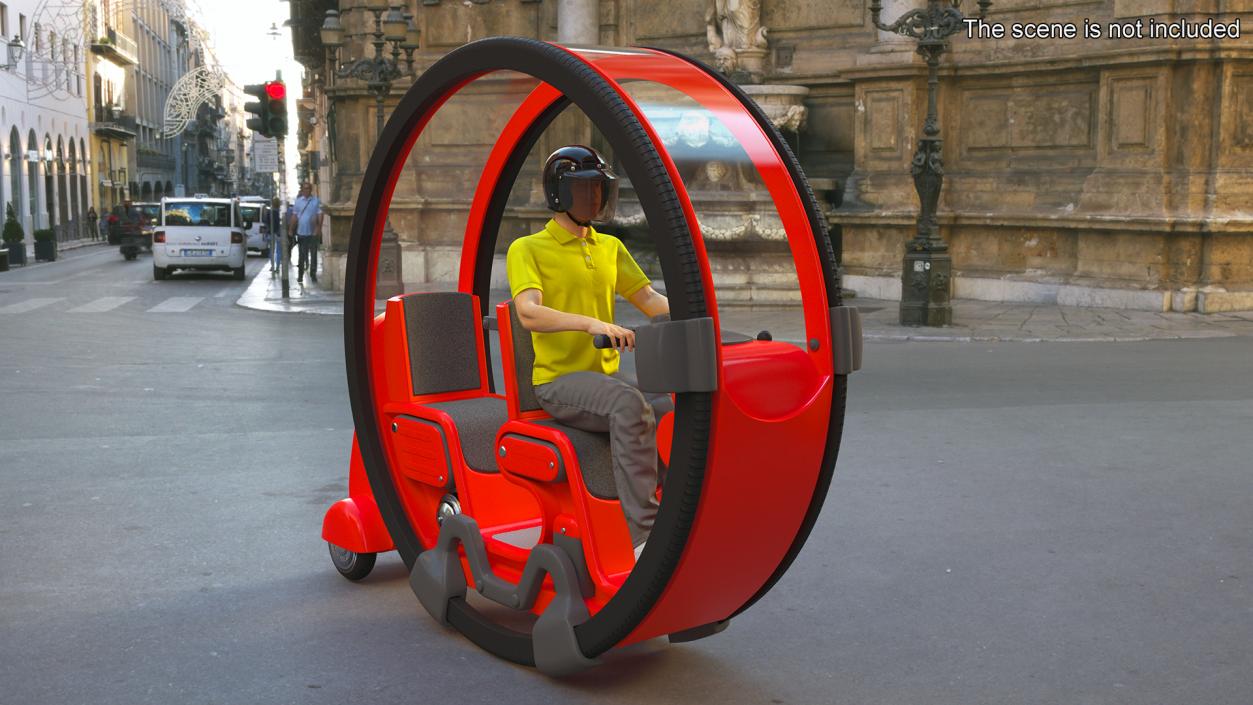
(576,175)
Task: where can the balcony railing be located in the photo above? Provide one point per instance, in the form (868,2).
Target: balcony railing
(112,121)
(116,47)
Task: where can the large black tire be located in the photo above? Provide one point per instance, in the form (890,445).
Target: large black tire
(353,566)
(130,254)
(239,273)
(159,273)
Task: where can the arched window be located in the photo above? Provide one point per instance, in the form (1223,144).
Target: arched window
(15,173)
(84,158)
(32,177)
(63,192)
(72,176)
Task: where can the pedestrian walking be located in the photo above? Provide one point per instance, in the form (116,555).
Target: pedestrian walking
(274,235)
(306,223)
(93,222)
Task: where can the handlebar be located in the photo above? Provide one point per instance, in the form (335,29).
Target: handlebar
(601,341)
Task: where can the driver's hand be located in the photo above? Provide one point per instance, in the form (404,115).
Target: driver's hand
(623,338)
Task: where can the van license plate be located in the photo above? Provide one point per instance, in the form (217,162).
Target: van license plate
(197,253)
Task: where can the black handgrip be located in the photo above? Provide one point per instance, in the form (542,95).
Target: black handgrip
(600,341)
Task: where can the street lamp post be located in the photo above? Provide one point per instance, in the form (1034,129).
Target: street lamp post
(397,30)
(14,51)
(926,272)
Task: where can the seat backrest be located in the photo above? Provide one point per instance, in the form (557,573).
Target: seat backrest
(517,357)
(439,343)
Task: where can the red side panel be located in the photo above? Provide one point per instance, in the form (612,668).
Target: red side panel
(531,460)
(421,451)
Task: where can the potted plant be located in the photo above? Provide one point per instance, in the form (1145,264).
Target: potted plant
(45,245)
(13,238)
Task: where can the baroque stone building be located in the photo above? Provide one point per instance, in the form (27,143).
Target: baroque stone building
(1113,172)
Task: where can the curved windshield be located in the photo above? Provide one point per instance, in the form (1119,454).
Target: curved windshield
(193,213)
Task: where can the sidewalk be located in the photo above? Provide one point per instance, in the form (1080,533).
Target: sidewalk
(265,293)
(976,321)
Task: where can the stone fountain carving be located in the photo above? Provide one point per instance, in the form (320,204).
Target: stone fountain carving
(744,237)
(736,38)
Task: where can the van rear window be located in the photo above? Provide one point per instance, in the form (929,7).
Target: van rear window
(216,215)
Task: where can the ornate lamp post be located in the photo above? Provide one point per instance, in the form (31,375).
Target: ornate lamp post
(15,49)
(926,273)
(395,28)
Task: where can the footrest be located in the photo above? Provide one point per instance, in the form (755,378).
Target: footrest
(437,577)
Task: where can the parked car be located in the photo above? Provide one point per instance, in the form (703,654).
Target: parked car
(201,234)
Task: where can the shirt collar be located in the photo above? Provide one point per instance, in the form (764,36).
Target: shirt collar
(564,236)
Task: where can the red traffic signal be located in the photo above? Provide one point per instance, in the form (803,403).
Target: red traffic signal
(276,90)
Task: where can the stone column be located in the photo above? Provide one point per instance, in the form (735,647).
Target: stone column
(578,22)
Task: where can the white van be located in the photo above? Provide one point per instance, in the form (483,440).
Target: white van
(256,210)
(199,233)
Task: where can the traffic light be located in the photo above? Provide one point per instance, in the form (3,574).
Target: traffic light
(257,110)
(276,93)
(269,110)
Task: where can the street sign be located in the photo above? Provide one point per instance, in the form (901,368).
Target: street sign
(264,154)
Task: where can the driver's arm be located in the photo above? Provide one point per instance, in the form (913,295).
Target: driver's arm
(649,302)
(537,317)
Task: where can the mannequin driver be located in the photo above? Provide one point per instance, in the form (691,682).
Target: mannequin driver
(563,280)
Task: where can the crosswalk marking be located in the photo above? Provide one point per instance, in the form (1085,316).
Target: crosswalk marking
(176,304)
(29,305)
(102,304)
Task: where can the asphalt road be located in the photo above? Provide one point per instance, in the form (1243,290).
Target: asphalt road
(1009,523)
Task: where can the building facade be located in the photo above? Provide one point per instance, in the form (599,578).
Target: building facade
(1085,171)
(43,119)
(161,33)
(111,55)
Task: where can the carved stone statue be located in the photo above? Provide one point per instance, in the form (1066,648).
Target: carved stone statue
(736,37)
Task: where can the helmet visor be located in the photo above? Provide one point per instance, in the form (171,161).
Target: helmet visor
(591,193)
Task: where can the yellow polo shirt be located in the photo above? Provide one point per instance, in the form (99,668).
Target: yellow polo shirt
(576,275)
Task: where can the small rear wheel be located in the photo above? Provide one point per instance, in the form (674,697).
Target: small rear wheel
(159,273)
(239,273)
(353,566)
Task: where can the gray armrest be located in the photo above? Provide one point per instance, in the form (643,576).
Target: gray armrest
(677,356)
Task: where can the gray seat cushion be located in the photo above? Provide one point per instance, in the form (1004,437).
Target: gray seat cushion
(477,421)
(595,460)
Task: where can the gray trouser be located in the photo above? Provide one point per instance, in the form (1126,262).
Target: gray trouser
(593,401)
(308,254)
